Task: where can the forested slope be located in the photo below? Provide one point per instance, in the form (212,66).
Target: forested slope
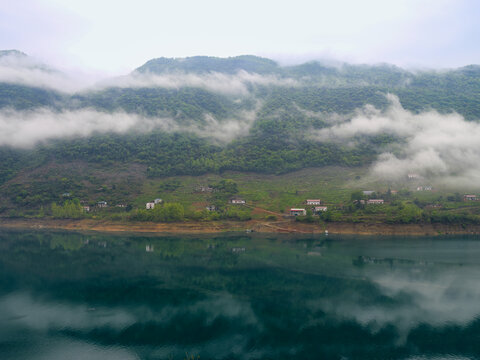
(271,120)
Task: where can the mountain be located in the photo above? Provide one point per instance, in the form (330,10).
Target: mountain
(204,64)
(15,59)
(314,85)
(178,117)
(12,53)
(25,82)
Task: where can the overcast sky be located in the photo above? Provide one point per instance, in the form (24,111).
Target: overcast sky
(117,36)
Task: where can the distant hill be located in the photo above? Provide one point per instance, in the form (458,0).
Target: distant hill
(203,64)
(16,53)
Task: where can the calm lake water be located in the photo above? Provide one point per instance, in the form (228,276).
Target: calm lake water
(90,296)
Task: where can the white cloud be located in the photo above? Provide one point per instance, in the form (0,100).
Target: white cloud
(444,147)
(25,129)
(25,70)
(228,84)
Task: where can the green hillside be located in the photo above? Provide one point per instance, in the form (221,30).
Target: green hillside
(273,116)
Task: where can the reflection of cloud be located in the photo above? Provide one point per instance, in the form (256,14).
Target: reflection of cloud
(441,146)
(20,312)
(73,350)
(449,296)
(22,309)
(26,128)
(212,308)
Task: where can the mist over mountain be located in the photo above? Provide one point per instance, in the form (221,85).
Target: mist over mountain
(206,114)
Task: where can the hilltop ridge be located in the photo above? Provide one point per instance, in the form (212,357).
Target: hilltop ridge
(202,64)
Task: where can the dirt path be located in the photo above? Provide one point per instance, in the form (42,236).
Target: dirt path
(257,210)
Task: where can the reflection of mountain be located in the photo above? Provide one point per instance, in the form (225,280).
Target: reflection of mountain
(196,295)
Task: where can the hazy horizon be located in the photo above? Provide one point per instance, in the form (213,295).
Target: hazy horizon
(281,60)
(111,37)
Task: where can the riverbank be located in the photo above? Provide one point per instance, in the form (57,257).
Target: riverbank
(232,226)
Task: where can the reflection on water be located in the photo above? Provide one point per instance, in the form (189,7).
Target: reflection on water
(84,296)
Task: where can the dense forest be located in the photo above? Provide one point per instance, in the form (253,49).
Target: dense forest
(277,140)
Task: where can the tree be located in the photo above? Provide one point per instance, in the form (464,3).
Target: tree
(410,213)
(71,209)
(356,196)
(227,186)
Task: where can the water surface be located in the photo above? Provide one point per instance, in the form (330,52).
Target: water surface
(90,296)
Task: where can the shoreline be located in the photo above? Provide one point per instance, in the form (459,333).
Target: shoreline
(290,227)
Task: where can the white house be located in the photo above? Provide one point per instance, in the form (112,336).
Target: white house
(210,208)
(375,201)
(296,211)
(318,209)
(206,189)
(313,202)
(470,197)
(149,205)
(102,204)
(86,208)
(157,201)
(238,201)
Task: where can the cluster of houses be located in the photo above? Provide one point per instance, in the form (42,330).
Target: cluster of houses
(314,204)
(467,197)
(88,208)
(151,204)
(99,205)
(413,176)
(316,208)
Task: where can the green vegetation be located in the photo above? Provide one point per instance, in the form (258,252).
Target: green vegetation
(71,209)
(22,97)
(268,198)
(164,213)
(279,140)
(202,64)
(274,164)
